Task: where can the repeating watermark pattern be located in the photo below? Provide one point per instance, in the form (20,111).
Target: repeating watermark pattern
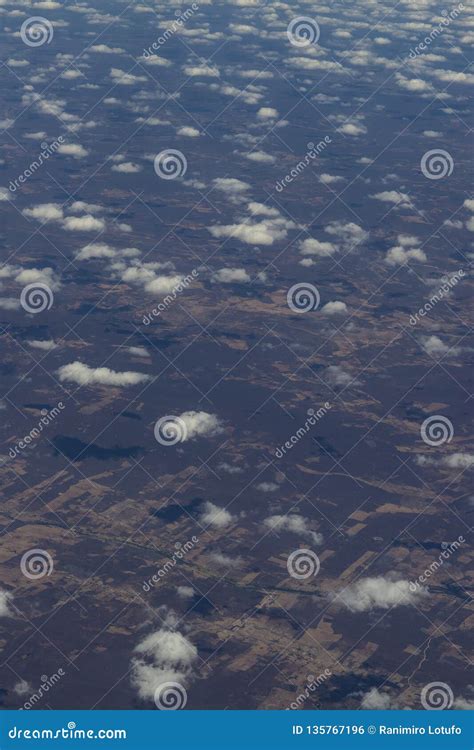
(170,164)
(47,416)
(170,696)
(437,430)
(185,282)
(437,696)
(46,684)
(36,31)
(172,29)
(313,418)
(47,150)
(314,150)
(444,289)
(312,684)
(448,550)
(424,45)
(303,297)
(303,31)
(436,164)
(303,563)
(36,564)
(180,553)
(36,297)
(170,430)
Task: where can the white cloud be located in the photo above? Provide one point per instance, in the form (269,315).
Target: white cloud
(213,515)
(231,275)
(127,167)
(201,424)
(334,308)
(45,212)
(337,376)
(72,149)
(164,656)
(44,344)
(5,598)
(201,70)
(188,132)
(85,223)
(378,592)
(376,700)
(393,196)
(82,374)
(295,523)
(267,113)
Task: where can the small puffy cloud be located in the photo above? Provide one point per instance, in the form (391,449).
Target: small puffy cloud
(45,212)
(334,308)
(231,276)
(200,424)
(185,592)
(433,346)
(294,523)
(231,186)
(267,113)
(225,560)
(96,250)
(72,149)
(398,255)
(261,157)
(122,78)
(104,49)
(379,592)
(353,129)
(348,233)
(267,487)
(138,351)
(78,372)
(393,196)
(201,70)
(213,515)
(260,233)
(330,179)
(312,246)
(44,344)
(377,700)
(5,598)
(127,167)
(189,132)
(85,223)
(335,375)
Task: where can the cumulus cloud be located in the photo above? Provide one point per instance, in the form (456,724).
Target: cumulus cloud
(85,223)
(393,196)
(379,592)
(231,276)
(294,523)
(5,598)
(72,149)
(78,372)
(433,346)
(200,424)
(44,344)
(335,375)
(163,656)
(189,132)
(377,700)
(213,515)
(334,308)
(264,232)
(45,212)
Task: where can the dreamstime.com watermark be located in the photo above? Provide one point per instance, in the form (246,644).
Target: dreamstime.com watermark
(47,416)
(444,289)
(181,552)
(313,418)
(436,31)
(311,685)
(174,26)
(171,297)
(314,150)
(47,150)
(47,683)
(449,549)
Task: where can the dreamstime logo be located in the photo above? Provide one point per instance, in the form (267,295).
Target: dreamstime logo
(170,696)
(36,31)
(447,17)
(313,418)
(46,684)
(448,284)
(303,31)
(47,150)
(36,297)
(303,297)
(181,550)
(437,430)
(173,28)
(449,548)
(171,297)
(437,696)
(170,430)
(436,164)
(47,416)
(170,164)
(312,683)
(303,563)
(36,563)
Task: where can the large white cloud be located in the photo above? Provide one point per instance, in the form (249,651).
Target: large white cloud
(78,372)
(379,593)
